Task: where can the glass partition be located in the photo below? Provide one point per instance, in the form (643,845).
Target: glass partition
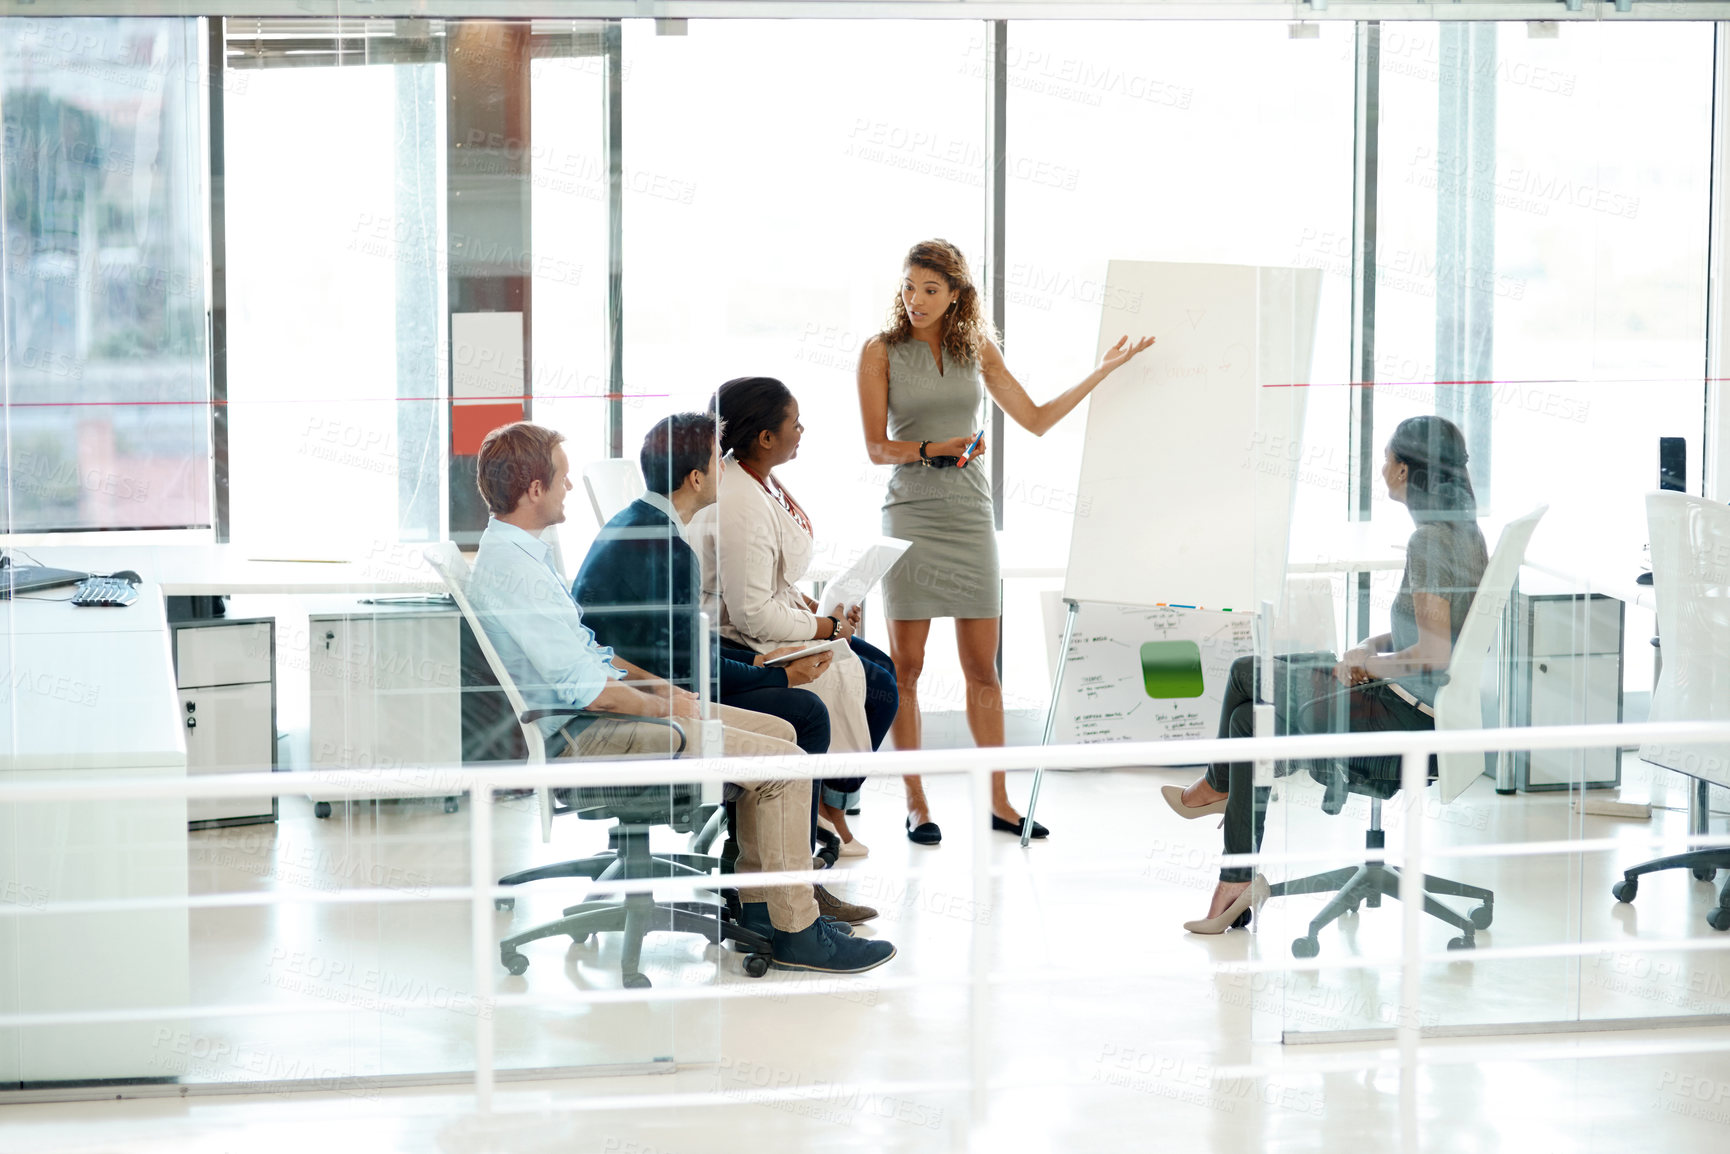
(876,142)
(1534,328)
(1539,288)
(1207,107)
(106,383)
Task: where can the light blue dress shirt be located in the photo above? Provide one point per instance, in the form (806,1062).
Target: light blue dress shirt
(526,608)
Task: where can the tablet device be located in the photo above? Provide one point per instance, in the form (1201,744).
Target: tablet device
(809,651)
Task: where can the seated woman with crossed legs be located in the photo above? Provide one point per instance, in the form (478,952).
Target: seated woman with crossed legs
(1386,682)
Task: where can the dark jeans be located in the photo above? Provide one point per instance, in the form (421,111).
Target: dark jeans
(800,708)
(1307,699)
(882,699)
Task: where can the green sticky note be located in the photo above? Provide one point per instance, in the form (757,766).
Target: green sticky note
(1171,668)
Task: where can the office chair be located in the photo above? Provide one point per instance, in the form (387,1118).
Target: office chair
(612,484)
(1691,581)
(1459,705)
(636,809)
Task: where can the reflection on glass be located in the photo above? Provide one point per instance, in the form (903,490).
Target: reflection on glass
(107,389)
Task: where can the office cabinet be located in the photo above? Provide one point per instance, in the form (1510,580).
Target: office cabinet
(386,692)
(225,671)
(1566,670)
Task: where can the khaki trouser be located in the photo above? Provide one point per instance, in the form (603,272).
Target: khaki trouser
(774,816)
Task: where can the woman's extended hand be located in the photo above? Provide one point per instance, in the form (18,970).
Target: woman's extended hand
(810,603)
(1122,353)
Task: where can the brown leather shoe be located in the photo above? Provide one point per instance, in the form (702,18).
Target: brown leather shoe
(828,903)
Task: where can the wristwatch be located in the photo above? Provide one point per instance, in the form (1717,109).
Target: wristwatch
(834,627)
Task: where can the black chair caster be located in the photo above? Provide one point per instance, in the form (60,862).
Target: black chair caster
(504,903)
(1704,873)
(579,939)
(1624,890)
(756,965)
(1305,948)
(450,805)
(1482,916)
(636,981)
(1719,919)
(1462,944)
(514,962)
(321,809)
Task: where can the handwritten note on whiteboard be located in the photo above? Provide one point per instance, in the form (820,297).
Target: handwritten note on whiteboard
(1106,682)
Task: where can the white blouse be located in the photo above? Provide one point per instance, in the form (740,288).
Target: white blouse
(753,553)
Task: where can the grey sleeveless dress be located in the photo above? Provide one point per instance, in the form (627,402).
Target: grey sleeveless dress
(951,569)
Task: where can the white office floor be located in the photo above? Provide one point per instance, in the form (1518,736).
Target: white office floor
(1108,1029)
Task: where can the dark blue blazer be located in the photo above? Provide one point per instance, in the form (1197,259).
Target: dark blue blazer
(640,589)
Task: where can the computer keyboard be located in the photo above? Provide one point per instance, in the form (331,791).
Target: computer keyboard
(105,591)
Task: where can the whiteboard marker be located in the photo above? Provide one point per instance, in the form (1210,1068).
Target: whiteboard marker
(967,453)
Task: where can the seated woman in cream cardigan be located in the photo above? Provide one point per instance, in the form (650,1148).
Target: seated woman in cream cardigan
(756,543)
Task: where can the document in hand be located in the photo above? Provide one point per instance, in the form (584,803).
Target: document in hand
(849,589)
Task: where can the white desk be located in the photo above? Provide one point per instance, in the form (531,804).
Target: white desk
(91,692)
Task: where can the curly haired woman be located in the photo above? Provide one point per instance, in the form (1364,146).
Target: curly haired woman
(922,385)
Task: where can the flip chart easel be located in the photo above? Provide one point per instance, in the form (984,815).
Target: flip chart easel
(1176,514)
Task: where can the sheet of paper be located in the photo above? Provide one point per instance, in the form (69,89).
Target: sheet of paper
(850,588)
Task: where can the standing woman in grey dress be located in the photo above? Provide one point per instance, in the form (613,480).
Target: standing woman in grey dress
(922,400)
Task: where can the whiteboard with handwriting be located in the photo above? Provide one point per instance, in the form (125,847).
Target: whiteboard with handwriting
(1104,697)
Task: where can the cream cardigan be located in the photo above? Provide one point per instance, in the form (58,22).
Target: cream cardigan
(752,553)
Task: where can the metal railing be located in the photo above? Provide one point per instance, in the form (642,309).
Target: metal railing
(1413,748)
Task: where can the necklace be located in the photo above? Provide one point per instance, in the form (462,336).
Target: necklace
(782,498)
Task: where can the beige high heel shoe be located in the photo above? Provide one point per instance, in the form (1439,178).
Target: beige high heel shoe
(1251,898)
(1173,795)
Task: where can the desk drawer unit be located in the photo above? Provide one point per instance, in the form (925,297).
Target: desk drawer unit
(224,670)
(386,693)
(1567,670)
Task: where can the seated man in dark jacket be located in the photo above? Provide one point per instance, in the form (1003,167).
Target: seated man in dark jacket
(641,591)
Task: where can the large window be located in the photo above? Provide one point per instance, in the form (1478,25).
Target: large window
(106,386)
(1542,239)
(569,191)
(765,222)
(336,356)
(1160,142)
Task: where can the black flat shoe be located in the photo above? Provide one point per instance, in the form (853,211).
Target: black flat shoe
(1014,827)
(926,833)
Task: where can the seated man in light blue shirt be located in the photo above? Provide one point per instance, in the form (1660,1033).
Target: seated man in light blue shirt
(525,606)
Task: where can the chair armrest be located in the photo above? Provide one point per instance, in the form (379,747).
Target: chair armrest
(530,715)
